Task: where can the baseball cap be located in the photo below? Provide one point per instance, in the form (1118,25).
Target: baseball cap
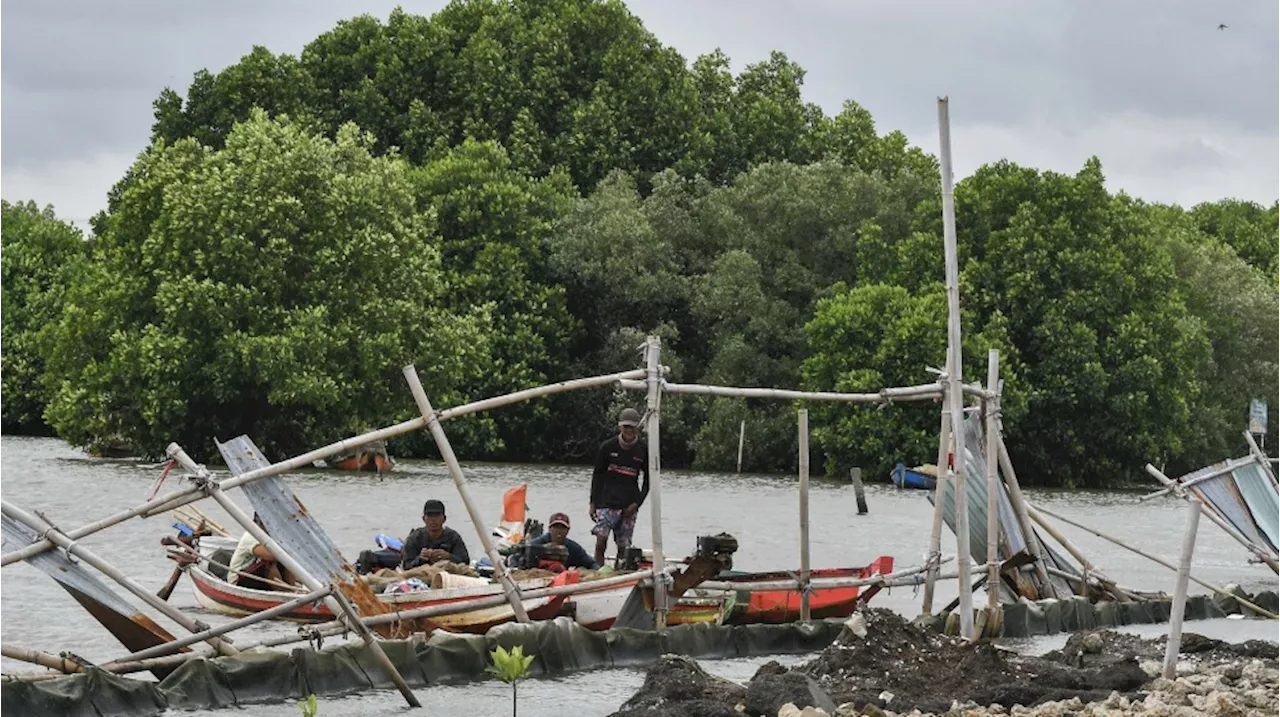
(432,506)
(629,417)
(559,518)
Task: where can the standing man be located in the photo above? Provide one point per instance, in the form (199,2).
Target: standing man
(433,542)
(616,494)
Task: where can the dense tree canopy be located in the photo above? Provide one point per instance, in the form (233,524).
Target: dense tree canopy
(513,192)
(39,258)
(273,287)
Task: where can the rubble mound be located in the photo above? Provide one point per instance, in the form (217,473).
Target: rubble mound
(677,685)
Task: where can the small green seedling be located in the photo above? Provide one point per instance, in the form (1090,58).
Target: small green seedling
(309,706)
(510,667)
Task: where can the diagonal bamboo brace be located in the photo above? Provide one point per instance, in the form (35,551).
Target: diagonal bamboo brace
(460,480)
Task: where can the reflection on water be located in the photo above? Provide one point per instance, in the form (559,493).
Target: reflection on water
(761,511)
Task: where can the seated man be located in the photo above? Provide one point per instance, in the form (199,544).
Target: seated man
(558,534)
(433,542)
(252,560)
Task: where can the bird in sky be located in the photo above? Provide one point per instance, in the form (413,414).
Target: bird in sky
(1222,26)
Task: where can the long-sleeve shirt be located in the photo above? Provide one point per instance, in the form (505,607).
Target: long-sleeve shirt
(578,557)
(448,540)
(615,480)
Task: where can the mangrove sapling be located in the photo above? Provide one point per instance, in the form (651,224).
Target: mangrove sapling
(510,667)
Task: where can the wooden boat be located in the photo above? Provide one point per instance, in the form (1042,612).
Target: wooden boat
(920,477)
(217,595)
(598,610)
(369,458)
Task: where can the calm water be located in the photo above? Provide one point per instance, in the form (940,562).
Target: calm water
(761,511)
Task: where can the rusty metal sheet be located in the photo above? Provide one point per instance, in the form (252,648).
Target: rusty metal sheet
(289,523)
(135,630)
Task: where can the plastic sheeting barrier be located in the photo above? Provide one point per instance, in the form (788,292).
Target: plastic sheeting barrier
(259,676)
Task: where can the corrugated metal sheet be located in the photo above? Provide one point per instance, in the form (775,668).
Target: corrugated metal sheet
(1259,495)
(288,522)
(1222,495)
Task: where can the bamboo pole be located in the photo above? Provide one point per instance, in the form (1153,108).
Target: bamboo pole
(653,405)
(1217,520)
(1167,564)
(269,613)
(954,364)
(932,559)
(924,392)
(742,435)
(192,493)
(803,418)
(1228,467)
(1019,504)
(40,525)
(1086,566)
(1179,606)
(39,657)
(460,480)
(1258,453)
(993,506)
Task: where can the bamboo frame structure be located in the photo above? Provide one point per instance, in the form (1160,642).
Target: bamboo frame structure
(1179,607)
(993,514)
(935,533)
(653,411)
(1216,519)
(954,365)
(802,419)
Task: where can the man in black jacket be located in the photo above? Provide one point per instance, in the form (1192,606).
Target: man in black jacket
(616,495)
(433,542)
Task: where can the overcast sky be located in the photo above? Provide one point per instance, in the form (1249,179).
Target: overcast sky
(1178,110)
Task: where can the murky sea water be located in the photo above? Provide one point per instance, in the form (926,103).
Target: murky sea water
(761,511)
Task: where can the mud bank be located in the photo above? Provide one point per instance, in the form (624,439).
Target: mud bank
(882,664)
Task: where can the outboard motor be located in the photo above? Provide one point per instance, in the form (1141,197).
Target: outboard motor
(547,556)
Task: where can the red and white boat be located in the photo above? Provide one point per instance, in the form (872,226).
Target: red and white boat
(215,594)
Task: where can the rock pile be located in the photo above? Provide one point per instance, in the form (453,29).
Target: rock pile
(883,665)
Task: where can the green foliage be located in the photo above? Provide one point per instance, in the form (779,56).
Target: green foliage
(509,666)
(40,257)
(309,706)
(274,287)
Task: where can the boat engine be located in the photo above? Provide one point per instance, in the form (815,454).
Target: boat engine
(548,556)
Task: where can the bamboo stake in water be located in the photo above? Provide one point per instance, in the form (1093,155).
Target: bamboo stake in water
(993,512)
(742,434)
(1180,591)
(653,405)
(460,480)
(932,559)
(954,363)
(804,514)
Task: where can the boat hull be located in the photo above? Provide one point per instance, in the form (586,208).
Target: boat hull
(220,596)
(904,477)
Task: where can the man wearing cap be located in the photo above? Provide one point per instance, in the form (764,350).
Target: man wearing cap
(616,491)
(433,542)
(558,534)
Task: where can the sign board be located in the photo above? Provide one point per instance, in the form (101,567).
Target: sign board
(1258,417)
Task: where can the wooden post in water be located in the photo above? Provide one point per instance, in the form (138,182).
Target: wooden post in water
(1180,591)
(993,506)
(859,493)
(460,480)
(934,556)
(954,363)
(653,406)
(742,434)
(803,418)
